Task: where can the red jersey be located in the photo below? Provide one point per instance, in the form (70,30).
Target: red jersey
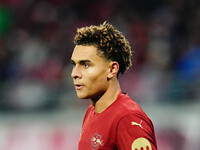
(121,126)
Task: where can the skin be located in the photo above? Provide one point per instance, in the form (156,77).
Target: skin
(94,77)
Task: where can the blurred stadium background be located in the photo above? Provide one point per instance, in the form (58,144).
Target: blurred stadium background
(39,109)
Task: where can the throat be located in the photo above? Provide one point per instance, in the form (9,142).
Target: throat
(104,102)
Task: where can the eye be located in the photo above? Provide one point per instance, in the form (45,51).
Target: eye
(73,63)
(86,65)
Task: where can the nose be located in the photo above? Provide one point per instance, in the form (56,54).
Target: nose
(75,73)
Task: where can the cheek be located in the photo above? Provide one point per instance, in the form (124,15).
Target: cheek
(97,78)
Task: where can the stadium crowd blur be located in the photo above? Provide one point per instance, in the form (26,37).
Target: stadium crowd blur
(36,42)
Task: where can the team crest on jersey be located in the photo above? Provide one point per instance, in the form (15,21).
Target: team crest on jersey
(96,141)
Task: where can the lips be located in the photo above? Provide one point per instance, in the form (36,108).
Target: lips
(78,86)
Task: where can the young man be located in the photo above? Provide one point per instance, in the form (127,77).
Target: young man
(113,121)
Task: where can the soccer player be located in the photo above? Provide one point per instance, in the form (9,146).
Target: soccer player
(113,121)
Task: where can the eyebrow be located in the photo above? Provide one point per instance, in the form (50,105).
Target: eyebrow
(81,61)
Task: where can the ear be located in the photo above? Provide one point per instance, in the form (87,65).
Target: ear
(113,69)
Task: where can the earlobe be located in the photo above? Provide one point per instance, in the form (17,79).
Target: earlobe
(113,69)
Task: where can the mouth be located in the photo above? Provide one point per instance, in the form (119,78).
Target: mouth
(78,86)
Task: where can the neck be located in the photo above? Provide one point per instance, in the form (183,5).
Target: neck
(107,98)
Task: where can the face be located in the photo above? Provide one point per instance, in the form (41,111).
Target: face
(90,72)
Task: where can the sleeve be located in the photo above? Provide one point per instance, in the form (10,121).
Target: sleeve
(135,132)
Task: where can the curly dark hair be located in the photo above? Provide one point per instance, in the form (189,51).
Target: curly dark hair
(109,40)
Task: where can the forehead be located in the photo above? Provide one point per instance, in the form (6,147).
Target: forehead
(85,52)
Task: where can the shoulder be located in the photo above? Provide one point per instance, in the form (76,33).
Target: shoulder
(135,129)
(128,107)
(136,122)
(131,114)
(132,125)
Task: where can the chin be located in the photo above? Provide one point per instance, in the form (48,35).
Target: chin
(82,96)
